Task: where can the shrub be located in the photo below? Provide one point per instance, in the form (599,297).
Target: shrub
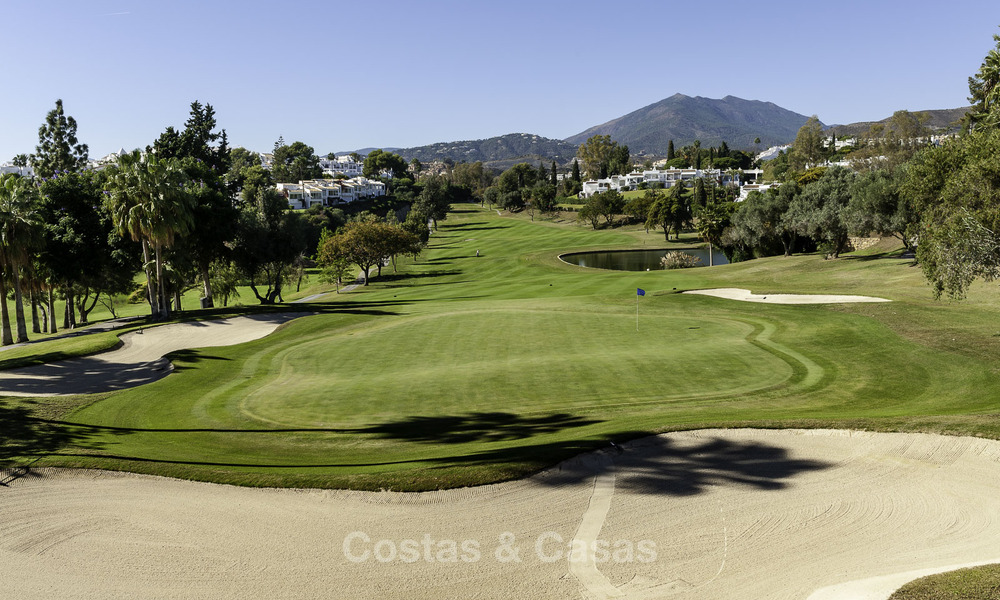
(679,260)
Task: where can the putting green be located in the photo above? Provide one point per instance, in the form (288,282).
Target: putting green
(508,360)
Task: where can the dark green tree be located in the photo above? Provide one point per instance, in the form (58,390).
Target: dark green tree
(758,222)
(819,212)
(877,206)
(294,163)
(670,211)
(80,253)
(58,150)
(379,161)
(268,241)
(434,200)
(808,147)
(20,232)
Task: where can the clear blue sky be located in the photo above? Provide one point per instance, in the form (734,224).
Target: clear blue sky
(344,75)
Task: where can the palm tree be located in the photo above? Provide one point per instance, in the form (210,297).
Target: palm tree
(20,161)
(984,90)
(148,202)
(18,234)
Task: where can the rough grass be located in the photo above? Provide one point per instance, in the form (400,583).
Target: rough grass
(461,370)
(976,583)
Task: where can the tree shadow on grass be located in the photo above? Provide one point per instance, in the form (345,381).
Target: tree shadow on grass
(473,227)
(183,360)
(23,437)
(474,427)
(81,376)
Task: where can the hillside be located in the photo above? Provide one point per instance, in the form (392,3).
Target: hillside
(685,119)
(944,120)
(497,152)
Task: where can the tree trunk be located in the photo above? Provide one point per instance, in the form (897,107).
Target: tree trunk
(6,338)
(45,316)
(22,328)
(36,326)
(154,308)
(209,302)
(66,314)
(278,277)
(177,300)
(84,310)
(52,310)
(162,285)
(70,313)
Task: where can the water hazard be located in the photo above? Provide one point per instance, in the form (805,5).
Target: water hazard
(638,260)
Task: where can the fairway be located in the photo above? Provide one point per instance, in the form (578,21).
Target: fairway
(461,369)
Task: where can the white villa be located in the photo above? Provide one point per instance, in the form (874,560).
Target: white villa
(8,167)
(341,164)
(665,177)
(754,187)
(329,192)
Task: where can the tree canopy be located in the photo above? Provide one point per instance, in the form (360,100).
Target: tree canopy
(58,149)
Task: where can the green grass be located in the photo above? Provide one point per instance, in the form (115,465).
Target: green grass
(976,583)
(462,370)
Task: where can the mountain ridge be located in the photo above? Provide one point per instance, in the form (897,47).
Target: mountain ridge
(685,119)
(648,130)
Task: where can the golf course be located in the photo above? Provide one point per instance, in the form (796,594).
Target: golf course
(456,369)
(795,428)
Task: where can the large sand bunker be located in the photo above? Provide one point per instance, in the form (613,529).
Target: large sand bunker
(695,515)
(139,359)
(748,296)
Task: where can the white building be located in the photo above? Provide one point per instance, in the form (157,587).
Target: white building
(754,187)
(329,192)
(342,165)
(665,177)
(8,167)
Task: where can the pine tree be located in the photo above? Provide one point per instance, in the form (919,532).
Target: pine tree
(670,150)
(58,149)
(552,178)
(576,170)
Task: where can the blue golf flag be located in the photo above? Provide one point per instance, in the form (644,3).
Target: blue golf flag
(640,291)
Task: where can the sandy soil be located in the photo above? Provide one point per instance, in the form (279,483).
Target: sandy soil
(748,296)
(139,359)
(706,514)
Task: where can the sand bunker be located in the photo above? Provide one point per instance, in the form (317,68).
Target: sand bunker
(748,296)
(695,515)
(139,360)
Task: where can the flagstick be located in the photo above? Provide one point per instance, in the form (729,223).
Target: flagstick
(637,312)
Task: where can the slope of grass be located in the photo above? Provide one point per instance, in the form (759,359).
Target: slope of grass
(977,583)
(461,370)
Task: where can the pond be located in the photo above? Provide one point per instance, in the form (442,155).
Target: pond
(637,260)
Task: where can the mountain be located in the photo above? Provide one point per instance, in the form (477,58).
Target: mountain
(497,152)
(945,120)
(684,119)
